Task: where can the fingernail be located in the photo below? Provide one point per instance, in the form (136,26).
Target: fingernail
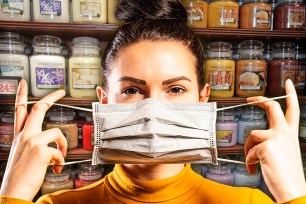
(288,81)
(21,83)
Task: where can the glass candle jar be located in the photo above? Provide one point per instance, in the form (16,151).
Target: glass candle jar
(255,14)
(51,11)
(53,182)
(6,131)
(88,134)
(223,14)
(85,68)
(226,129)
(64,120)
(283,66)
(220,173)
(12,10)
(88,174)
(197,13)
(251,69)
(289,15)
(14,64)
(302,133)
(220,69)
(111,7)
(301,77)
(243,178)
(89,11)
(80,119)
(252,118)
(47,66)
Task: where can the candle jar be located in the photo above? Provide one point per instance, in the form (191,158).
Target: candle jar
(51,11)
(64,120)
(226,129)
(301,77)
(255,14)
(302,133)
(14,64)
(220,173)
(111,7)
(85,68)
(53,182)
(6,131)
(47,66)
(223,14)
(88,134)
(89,11)
(88,174)
(197,13)
(251,69)
(243,178)
(252,118)
(220,69)
(289,15)
(12,10)
(283,66)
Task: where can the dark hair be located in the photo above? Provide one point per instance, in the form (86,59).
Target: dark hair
(152,20)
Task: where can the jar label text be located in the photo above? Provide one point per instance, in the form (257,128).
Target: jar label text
(195,13)
(228,15)
(9,85)
(90,9)
(221,80)
(12,6)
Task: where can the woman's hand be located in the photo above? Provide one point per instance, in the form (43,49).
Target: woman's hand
(30,155)
(278,148)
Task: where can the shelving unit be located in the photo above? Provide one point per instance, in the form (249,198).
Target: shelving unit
(104,32)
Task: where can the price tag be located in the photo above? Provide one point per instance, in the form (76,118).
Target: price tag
(8,86)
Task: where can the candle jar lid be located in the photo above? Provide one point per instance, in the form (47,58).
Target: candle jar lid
(221,168)
(85,46)
(250,49)
(88,118)
(7,117)
(11,42)
(90,172)
(289,1)
(283,50)
(61,115)
(47,44)
(225,115)
(219,50)
(252,112)
(254,1)
(63,176)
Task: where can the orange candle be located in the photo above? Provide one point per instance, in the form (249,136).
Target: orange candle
(197,13)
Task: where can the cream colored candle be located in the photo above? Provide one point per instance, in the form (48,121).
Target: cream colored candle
(112,4)
(89,11)
(51,11)
(12,10)
(47,66)
(84,68)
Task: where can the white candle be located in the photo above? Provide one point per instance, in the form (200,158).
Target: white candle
(15,10)
(89,11)
(51,11)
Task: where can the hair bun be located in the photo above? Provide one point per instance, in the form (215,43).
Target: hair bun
(134,10)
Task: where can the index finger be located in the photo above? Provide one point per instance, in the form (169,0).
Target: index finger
(38,111)
(21,111)
(293,109)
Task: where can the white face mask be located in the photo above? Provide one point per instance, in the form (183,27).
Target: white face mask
(153,131)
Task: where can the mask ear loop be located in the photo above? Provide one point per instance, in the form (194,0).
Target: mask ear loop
(57,104)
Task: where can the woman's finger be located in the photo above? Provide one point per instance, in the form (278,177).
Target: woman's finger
(21,111)
(38,111)
(57,158)
(293,110)
(255,137)
(251,157)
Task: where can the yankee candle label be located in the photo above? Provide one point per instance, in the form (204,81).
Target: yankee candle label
(8,86)
(50,77)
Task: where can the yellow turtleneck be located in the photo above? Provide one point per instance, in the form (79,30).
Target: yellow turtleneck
(186,187)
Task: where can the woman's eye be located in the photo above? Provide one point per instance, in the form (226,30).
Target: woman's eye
(177,90)
(130,91)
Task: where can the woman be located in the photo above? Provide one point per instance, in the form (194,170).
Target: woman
(154,56)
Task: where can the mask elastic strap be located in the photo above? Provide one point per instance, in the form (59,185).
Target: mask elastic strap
(57,104)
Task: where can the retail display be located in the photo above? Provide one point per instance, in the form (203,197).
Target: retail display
(6,131)
(226,129)
(51,11)
(243,178)
(89,11)
(12,10)
(220,69)
(88,174)
(88,134)
(197,11)
(14,64)
(220,173)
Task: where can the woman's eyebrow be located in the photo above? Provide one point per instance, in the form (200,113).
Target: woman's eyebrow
(169,81)
(132,79)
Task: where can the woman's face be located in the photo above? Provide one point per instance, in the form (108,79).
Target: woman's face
(164,70)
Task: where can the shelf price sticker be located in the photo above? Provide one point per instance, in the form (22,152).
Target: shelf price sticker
(9,85)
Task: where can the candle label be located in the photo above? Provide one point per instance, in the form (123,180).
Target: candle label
(220,80)
(6,70)
(263,17)
(92,9)
(6,140)
(228,14)
(9,85)
(297,17)
(195,13)
(289,71)
(12,6)
(252,77)
(50,7)
(224,136)
(248,129)
(85,78)
(50,78)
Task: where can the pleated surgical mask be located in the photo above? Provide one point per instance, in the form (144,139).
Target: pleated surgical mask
(154,132)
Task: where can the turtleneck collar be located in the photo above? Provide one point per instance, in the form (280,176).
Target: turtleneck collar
(126,188)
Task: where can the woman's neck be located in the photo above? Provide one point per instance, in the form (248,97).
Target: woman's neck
(147,172)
